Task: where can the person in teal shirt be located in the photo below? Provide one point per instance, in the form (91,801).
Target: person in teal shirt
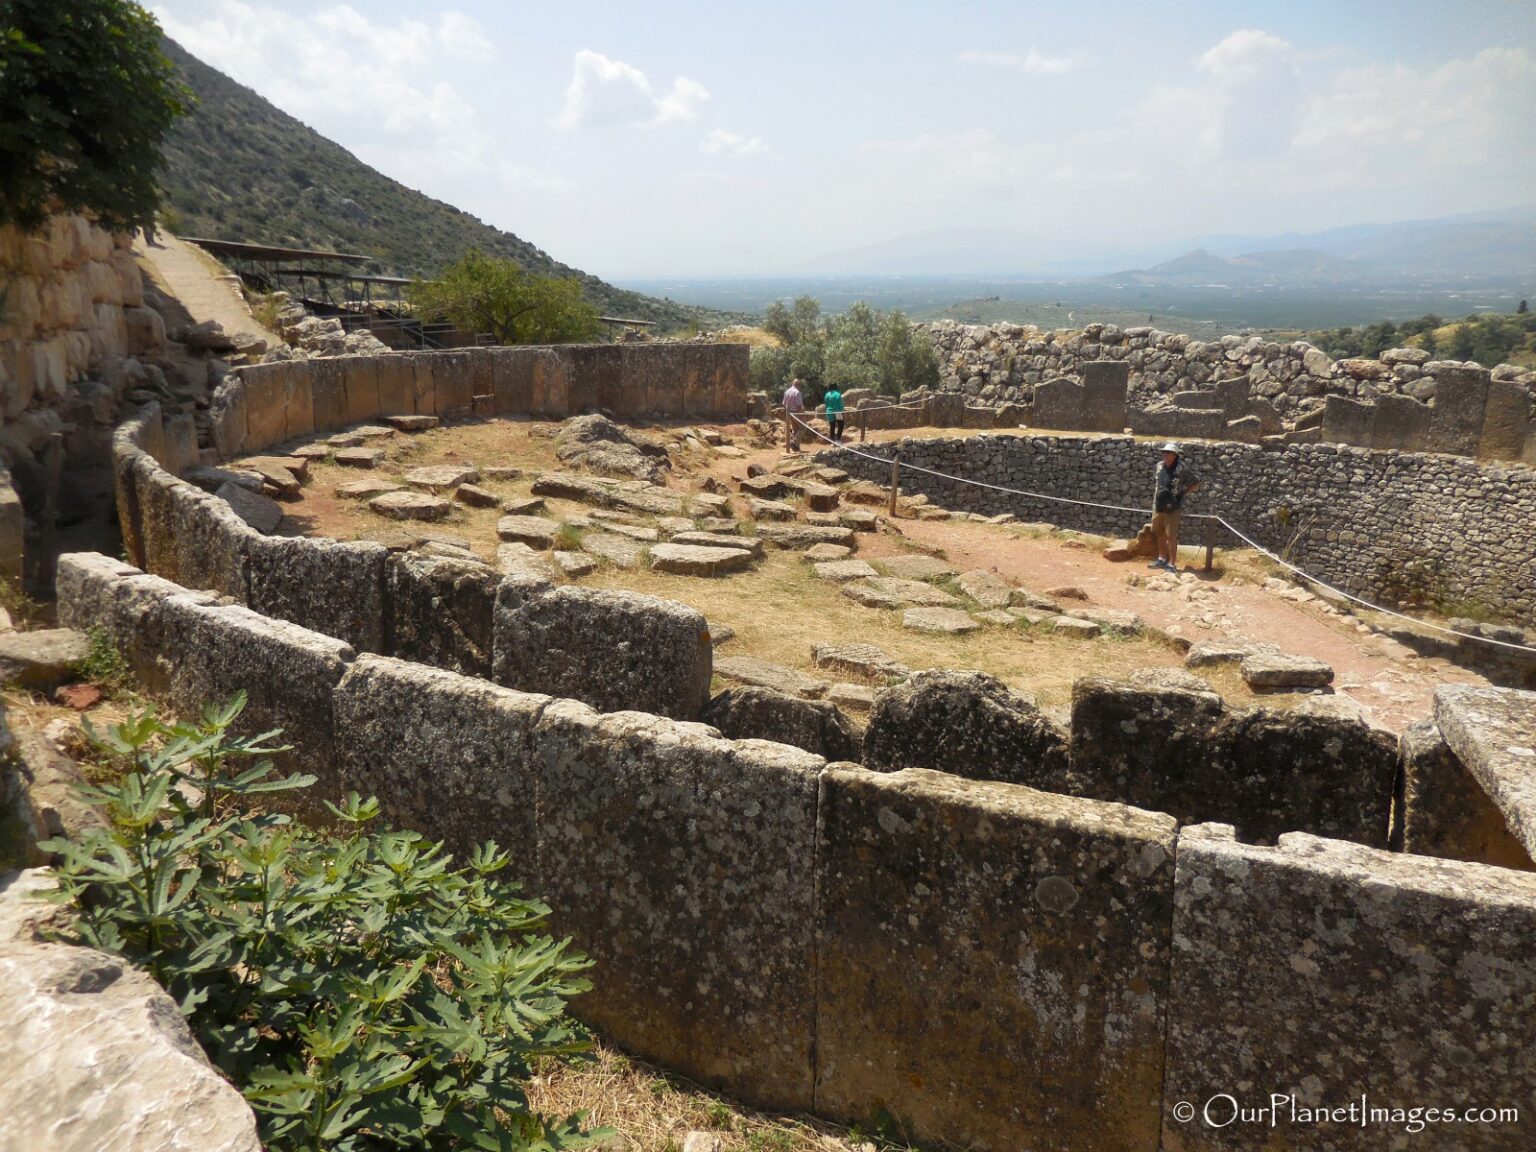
(833,400)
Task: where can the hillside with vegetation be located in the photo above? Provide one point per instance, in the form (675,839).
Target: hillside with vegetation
(1489,338)
(238,168)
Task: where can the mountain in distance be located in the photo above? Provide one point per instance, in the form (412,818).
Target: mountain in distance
(239,168)
(943,252)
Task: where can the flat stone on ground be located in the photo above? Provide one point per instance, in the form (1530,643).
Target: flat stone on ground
(864,661)
(619,551)
(476,496)
(638,532)
(359,457)
(502,472)
(913,592)
(1067,592)
(1492,731)
(1111,619)
(858,519)
(277,472)
(801,536)
(258,511)
(723,524)
(852,697)
(312,451)
(770,509)
(365,489)
(523,505)
(944,621)
(821,553)
(917,567)
(412,423)
(43,659)
(1269,671)
(999,616)
(986,588)
(520,560)
(437,477)
(697,560)
(763,674)
(1209,653)
(1072,626)
(534,531)
(720,540)
(602,492)
(841,571)
(672,525)
(575,564)
(404,505)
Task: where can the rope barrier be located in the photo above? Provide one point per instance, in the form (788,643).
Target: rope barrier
(1255,545)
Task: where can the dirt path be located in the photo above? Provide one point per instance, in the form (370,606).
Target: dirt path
(200,284)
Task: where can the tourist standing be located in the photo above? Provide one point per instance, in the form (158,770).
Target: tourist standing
(794,405)
(834,405)
(1174,481)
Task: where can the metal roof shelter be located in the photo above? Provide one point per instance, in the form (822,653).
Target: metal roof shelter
(271,266)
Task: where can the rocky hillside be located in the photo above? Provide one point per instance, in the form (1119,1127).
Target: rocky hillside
(238,168)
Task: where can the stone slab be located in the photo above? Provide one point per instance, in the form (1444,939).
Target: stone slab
(442,612)
(917,567)
(1506,421)
(817,726)
(1279,671)
(940,621)
(988,589)
(750,544)
(841,571)
(1445,811)
(1493,732)
(402,505)
(261,513)
(1058,404)
(993,966)
(801,536)
(861,661)
(1106,384)
(1456,421)
(617,550)
(698,560)
(1348,421)
(535,531)
(765,674)
(1401,423)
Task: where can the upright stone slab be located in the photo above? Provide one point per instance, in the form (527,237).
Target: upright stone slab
(325,585)
(683,865)
(211,542)
(328,393)
(1402,423)
(1493,732)
(1506,421)
(512,380)
(1232,396)
(266,404)
(1347,421)
(595,374)
(1446,813)
(299,401)
(611,650)
(993,963)
(450,756)
(360,383)
(482,372)
(1058,404)
(397,385)
(1329,972)
(1105,386)
(441,612)
(549,384)
(1461,399)
(453,392)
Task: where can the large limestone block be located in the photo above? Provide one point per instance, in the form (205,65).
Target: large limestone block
(450,756)
(396,384)
(682,864)
(512,380)
(1461,399)
(97,1056)
(966,723)
(442,612)
(209,540)
(1058,404)
(1145,746)
(1105,386)
(453,392)
(762,714)
(1506,421)
(1330,971)
(360,384)
(610,649)
(325,585)
(1445,811)
(1493,732)
(227,417)
(1347,421)
(1400,422)
(993,962)
(328,393)
(267,389)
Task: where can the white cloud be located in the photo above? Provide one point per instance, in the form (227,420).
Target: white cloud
(722,143)
(927,142)
(606,93)
(1032,63)
(1246,54)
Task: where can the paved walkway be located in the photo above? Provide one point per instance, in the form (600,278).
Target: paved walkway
(205,290)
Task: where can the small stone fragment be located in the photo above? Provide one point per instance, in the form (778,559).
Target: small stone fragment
(43,659)
(1072,626)
(917,567)
(523,505)
(841,571)
(1067,592)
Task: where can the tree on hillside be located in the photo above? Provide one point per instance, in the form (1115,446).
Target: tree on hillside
(482,294)
(861,348)
(86,98)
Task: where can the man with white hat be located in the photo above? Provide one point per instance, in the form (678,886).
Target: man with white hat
(1174,482)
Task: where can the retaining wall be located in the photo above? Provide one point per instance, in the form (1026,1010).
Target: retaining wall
(1393,527)
(257,407)
(995,965)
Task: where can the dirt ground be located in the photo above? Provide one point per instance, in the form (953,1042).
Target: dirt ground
(780,609)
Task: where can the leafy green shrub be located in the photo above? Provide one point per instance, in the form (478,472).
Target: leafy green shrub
(362,991)
(859,348)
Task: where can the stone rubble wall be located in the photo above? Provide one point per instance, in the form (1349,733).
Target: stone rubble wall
(993,964)
(610,649)
(266,404)
(1392,527)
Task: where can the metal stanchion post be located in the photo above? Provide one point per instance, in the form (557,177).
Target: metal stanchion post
(1210,543)
(895,484)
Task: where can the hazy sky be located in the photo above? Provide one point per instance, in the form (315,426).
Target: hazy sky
(672,138)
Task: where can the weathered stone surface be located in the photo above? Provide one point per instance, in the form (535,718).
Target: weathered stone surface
(575,564)
(597,444)
(1073,626)
(634,531)
(941,621)
(365,489)
(1272,671)
(986,588)
(523,505)
(741,1010)
(1106,383)
(913,593)
(916,568)
(1400,422)
(993,964)
(824,553)
(757,673)
(1169,678)
(442,612)
(41,660)
(475,496)
(852,697)
(450,756)
(620,551)
(258,511)
(403,505)
(412,423)
(96,1055)
(277,472)
(721,540)
(521,560)
(698,560)
(609,649)
(999,616)
(359,457)
(801,536)
(441,477)
(966,723)
(535,531)
(769,509)
(1212,653)
(1332,971)
(819,497)
(766,487)
(1058,404)
(1445,811)
(607,494)
(750,713)
(1110,619)
(1461,400)
(862,661)
(325,585)
(1506,421)
(1493,732)
(841,571)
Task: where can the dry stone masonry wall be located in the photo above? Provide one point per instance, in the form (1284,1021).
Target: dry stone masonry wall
(996,965)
